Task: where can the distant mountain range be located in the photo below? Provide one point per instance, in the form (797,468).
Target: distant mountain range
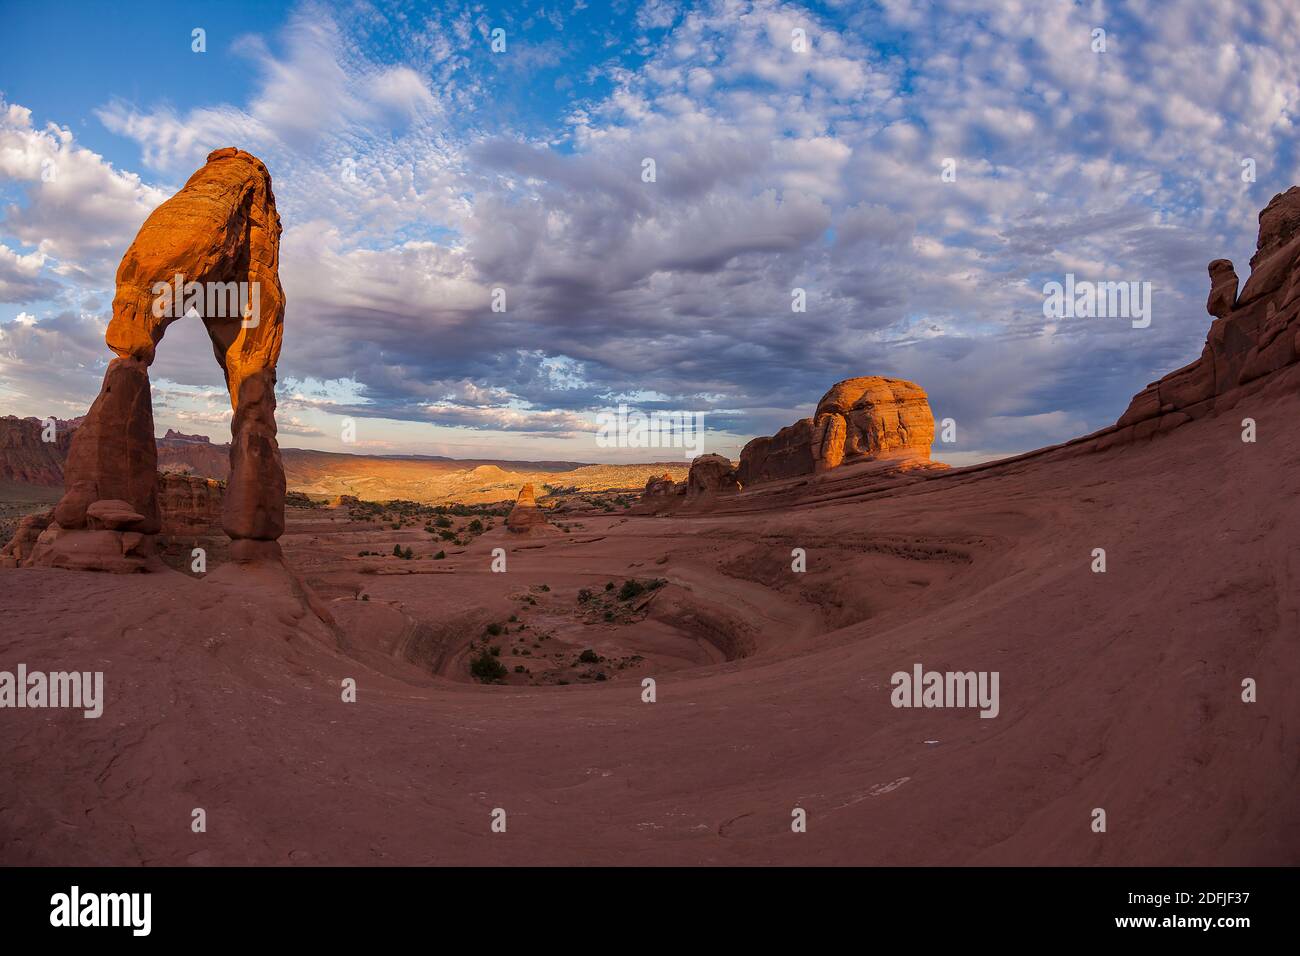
(26,458)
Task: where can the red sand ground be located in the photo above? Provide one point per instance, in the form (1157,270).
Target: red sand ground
(1118,690)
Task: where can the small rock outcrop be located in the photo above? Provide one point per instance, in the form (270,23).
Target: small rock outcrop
(525,517)
(1254,333)
(218,239)
(659,486)
(871,417)
(20,546)
(711,475)
(189,505)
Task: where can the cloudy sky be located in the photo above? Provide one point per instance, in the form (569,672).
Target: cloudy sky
(416,170)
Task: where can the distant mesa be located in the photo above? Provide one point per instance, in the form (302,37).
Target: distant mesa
(174,435)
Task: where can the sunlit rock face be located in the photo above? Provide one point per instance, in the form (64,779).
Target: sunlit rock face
(211,251)
(858,419)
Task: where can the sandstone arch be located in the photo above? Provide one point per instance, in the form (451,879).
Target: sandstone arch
(221,228)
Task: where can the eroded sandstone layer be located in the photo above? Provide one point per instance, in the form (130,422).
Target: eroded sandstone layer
(220,235)
(525,517)
(859,418)
(1253,334)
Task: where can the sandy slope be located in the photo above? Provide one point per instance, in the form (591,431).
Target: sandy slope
(1119,691)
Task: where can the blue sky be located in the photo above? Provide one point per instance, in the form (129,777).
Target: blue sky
(416,170)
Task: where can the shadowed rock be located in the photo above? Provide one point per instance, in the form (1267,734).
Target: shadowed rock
(1253,334)
(711,475)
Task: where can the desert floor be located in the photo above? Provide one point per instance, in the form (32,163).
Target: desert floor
(1119,691)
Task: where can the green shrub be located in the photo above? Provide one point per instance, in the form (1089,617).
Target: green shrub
(487,668)
(588,657)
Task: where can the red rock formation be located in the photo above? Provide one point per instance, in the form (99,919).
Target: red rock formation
(189,505)
(525,516)
(1253,334)
(661,486)
(19,549)
(858,419)
(24,454)
(711,475)
(221,228)
(174,435)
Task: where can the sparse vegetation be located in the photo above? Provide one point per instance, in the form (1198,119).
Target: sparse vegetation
(486,668)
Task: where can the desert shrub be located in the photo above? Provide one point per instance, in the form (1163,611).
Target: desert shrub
(584,595)
(442,521)
(609,585)
(397,550)
(494,629)
(440,555)
(520,669)
(476,526)
(630,589)
(588,657)
(513,618)
(487,668)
